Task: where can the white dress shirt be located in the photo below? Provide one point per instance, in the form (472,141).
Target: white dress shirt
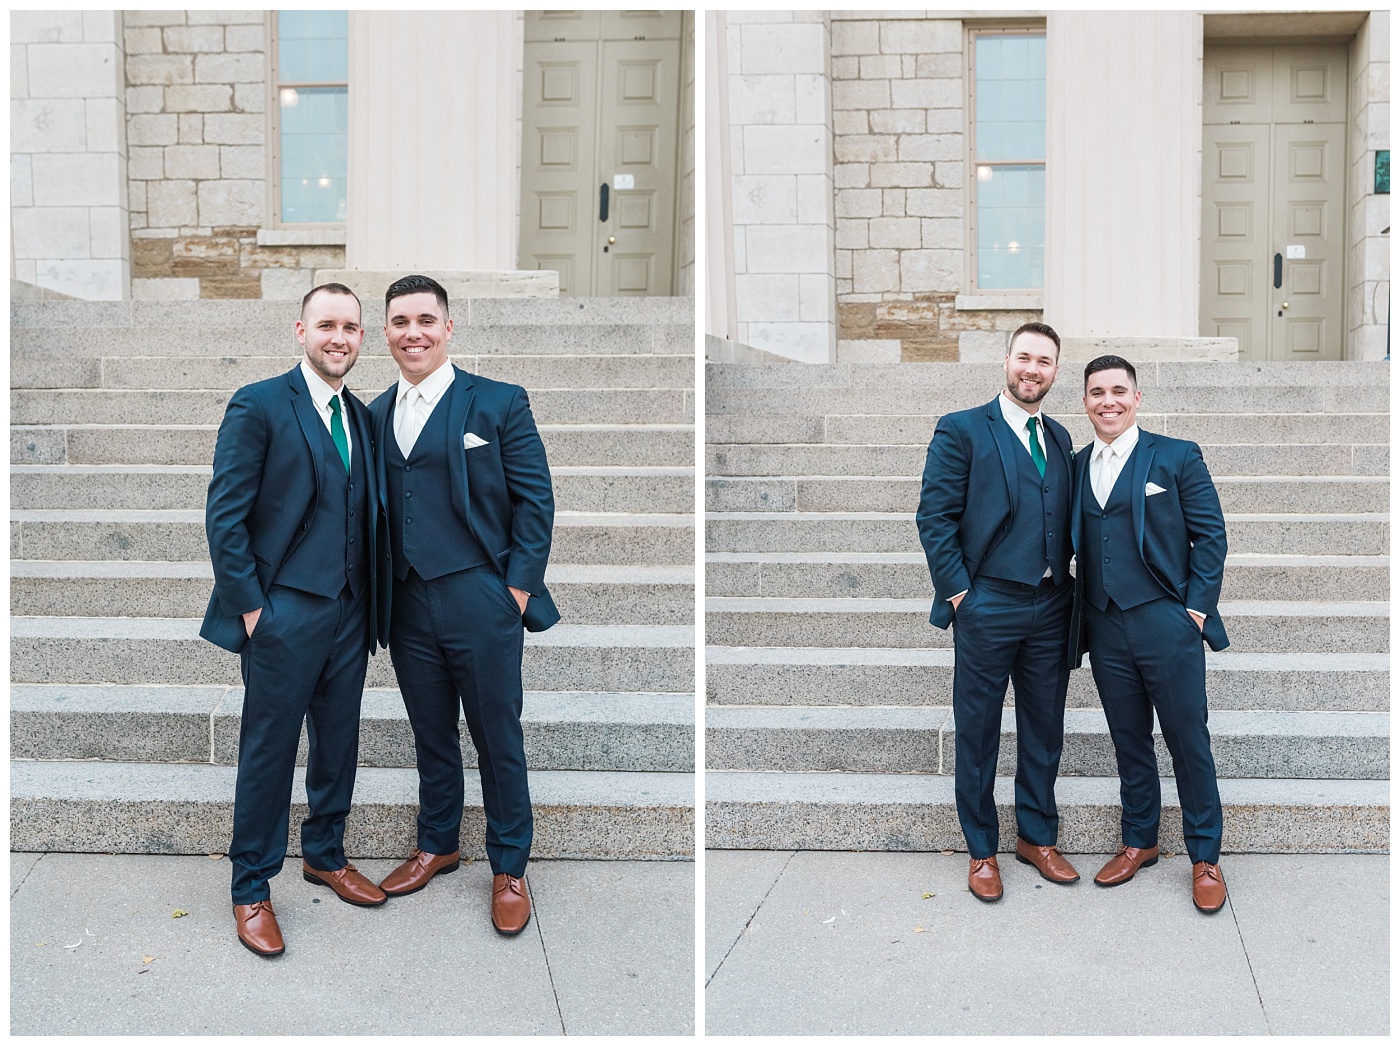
(413,404)
(1106,462)
(321,395)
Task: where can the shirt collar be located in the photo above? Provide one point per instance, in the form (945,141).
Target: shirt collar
(1016,415)
(1122,446)
(321,393)
(430,388)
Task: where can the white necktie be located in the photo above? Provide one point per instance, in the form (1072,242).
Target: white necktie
(1103,487)
(410,421)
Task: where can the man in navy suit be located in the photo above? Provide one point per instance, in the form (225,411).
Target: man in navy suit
(994,522)
(1150,540)
(291,532)
(468,517)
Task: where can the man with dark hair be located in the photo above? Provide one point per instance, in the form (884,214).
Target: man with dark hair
(994,522)
(1150,540)
(468,515)
(291,532)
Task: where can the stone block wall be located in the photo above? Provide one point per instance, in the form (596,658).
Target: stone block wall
(68,199)
(196,128)
(899,118)
(685,246)
(1368,261)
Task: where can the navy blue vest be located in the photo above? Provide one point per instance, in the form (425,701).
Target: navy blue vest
(1110,562)
(332,553)
(426,531)
(1038,535)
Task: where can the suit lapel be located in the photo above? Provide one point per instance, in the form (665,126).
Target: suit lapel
(380,422)
(311,425)
(1081,480)
(462,393)
(1007,446)
(1142,462)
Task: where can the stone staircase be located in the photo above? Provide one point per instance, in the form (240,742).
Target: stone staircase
(124,723)
(828,722)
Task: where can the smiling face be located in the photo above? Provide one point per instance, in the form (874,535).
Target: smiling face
(1031,363)
(417,333)
(330,334)
(1111,399)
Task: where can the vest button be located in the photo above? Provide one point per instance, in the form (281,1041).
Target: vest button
(305,527)
(408,468)
(352,512)
(408,493)
(409,520)
(352,541)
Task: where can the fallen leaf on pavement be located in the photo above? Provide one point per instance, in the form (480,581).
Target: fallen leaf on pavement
(216,857)
(148,959)
(918,929)
(926,896)
(179,913)
(948,853)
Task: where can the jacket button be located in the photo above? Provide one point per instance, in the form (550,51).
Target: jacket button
(352,541)
(409,519)
(408,493)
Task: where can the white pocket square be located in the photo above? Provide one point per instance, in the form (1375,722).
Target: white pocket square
(471,439)
(1152,488)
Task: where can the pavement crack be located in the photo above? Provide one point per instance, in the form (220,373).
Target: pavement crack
(1250,965)
(544,948)
(16,889)
(748,922)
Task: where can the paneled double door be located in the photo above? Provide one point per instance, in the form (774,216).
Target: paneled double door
(1273,199)
(599,153)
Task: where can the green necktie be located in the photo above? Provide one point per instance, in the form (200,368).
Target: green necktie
(1037,454)
(342,445)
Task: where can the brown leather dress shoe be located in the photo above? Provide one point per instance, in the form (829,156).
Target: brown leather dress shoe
(984,879)
(1125,864)
(1207,887)
(510,904)
(349,885)
(257,928)
(413,874)
(1049,862)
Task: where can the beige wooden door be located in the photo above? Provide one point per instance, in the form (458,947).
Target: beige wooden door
(1273,186)
(602,108)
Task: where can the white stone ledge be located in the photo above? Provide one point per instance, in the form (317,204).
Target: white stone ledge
(993,302)
(329,236)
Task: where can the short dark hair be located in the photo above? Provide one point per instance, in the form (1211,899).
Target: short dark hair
(1109,363)
(416,285)
(329,288)
(1035,327)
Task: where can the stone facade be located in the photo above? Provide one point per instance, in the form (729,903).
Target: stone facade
(1368,260)
(196,101)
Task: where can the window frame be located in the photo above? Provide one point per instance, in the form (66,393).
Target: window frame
(274,131)
(1006,28)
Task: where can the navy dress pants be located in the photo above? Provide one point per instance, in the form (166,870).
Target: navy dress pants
(1004,630)
(457,641)
(306,659)
(1152,657)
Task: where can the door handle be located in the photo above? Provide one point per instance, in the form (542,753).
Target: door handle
(603,202)
(1278,269)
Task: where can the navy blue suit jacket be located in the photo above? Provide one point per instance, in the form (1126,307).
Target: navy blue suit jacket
(502,488)
(969,495)
(1180,532)
(262,497)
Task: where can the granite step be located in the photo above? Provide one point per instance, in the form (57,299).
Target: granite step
(169,651)
(177,535)
(87,406)
(1295,745)
(169,724)
(98,807)
(904,575)
(567,445)
(1362,534)
(1238,494)
(605,594)
(911,812)
(1273,626)
(873,676)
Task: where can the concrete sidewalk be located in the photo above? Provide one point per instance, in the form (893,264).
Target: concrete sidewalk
(849,944)
(610,950)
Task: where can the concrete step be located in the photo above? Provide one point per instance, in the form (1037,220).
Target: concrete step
(917,429)
(589,445)
(844,811)
(1298,745)
(169,651)
(169,724)
(597,489)
(177,535)
(904,575)
(1247,494)
(618,595)
(372,374)
(1277,626)
(96,807)
(1275,534)
(907,461)
(871,676)
(588,406)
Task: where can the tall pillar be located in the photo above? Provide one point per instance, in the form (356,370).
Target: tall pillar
(434,140)
(1123,173)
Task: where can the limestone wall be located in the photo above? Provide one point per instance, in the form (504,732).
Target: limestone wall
(1368,259)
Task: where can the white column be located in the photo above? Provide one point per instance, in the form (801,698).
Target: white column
(433,175)
(1123,173)
(783,191)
